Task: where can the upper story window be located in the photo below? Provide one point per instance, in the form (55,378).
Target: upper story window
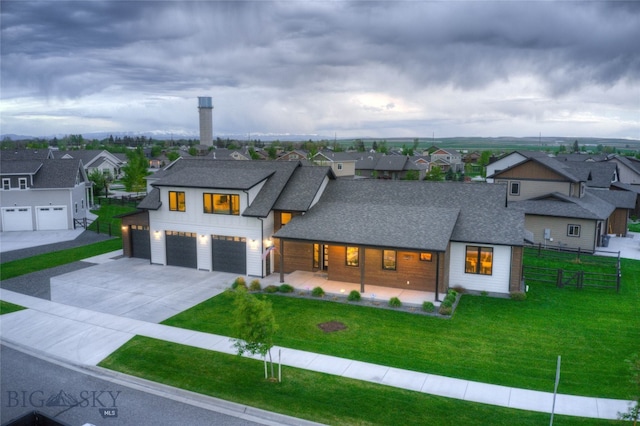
(339,166)
(177,201)
(479,260)
(514,188)
(221,203)
(353,256)
(22,183)
(285,217)
(6,184)
(389,260)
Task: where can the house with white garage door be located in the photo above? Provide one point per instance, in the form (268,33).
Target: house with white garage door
(42,193)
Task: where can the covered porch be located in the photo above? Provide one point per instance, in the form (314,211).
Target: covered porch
(306,281)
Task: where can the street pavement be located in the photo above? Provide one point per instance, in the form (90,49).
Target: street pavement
(87,320)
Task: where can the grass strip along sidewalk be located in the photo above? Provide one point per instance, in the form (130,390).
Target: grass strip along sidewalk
(304,394)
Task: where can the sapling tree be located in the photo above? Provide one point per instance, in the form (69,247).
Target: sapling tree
(255,325)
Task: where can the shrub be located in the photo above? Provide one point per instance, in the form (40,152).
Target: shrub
(394,302)
(354,296)
(239,282)
(317,292)
(444,310)
(271,289)
(518,295)
(285,288)
(452,293)
(450,298)
(446,303)
(254,285)
(428,307)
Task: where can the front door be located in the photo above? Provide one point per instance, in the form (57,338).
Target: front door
(321,257)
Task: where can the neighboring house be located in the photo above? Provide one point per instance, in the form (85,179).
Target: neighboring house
(295,155)
(101,160)
(342,163)
(280,216)
(447,159)
(228,154)
(510,160)
(394,167)
(42,194)
(628,169)
(559,211)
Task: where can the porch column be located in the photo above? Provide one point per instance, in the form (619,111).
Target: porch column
(281,260)
(361,257)
(437,274)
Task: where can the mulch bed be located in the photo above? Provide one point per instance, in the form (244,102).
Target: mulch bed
(331,326)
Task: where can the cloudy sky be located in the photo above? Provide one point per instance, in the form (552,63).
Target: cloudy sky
(346,68)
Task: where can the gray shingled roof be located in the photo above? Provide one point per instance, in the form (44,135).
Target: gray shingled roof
(230,174)
(408,215)
(619,199)
(302,188)
(19,167)
(151,201)
(391,163)
(560,205)
(24,154)
(548,162)
(58,174)
(596,175)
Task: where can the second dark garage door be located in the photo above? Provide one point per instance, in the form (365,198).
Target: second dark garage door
(229,254)
(181,249)
(140,243)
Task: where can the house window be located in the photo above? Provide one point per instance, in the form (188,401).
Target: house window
(82,204)
(221,204)
(573,230)
(339,166)
(6,184)
(285,217)
(425,257)
(75,205)
(353,256)
(389,260)
(514,188)
(22,183)
(479,260)
(176,201)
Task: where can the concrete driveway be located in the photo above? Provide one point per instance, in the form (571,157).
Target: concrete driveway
(133,288)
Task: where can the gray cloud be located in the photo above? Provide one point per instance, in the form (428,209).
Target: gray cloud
(312,59)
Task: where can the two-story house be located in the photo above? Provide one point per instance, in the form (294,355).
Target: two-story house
(42,193)
(257,218)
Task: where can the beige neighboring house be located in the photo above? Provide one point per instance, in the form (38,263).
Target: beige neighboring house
(342,163)
(102,160)
(566,204)
(447,159)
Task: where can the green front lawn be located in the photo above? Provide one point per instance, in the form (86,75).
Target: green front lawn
(489,340)
(305,394)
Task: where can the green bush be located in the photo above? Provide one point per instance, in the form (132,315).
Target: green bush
(285,288)
(518,295)
(239,282)
(428,306)
(447,303)
(450,298)
(354,296)
(271,289)
(444,310)
(317,292)
(255,285)
(452,293)
(394,302)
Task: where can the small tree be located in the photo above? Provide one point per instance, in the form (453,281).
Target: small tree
(435,174)
(135,171)
(633,414)
(255,325)
(99,182)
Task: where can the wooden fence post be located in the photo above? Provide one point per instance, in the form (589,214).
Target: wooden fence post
(559,282)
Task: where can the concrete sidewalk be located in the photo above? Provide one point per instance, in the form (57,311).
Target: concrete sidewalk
(85,337)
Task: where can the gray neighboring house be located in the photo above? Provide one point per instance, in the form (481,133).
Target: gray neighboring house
(101,160)
(42,193)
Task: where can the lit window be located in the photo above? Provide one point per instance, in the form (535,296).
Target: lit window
(479,260)
(22,183)
(514,188)
(285,217)
(389,260)
(353,256)
(176,201)
(573,230)
(221,204)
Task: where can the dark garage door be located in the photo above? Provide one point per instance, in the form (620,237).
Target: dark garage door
(229,254)
(140,244)
(181,249)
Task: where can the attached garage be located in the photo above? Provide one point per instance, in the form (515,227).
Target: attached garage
(140,242)
(50,218)
(229,254)
(17,219)
(181,249)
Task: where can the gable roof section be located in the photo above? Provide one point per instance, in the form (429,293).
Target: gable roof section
(19,167)
(596,175)
(151,201)
(408,215)
(302,188)
(200,175)
(391,163)
(552,164)
(25,154)
(618,199)
(56,174)
(560,205)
